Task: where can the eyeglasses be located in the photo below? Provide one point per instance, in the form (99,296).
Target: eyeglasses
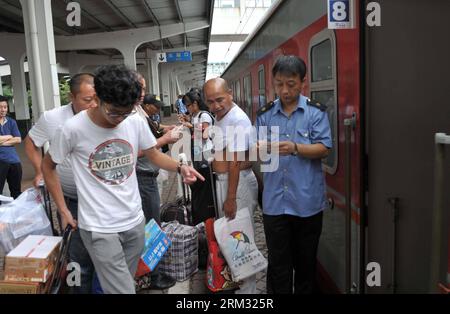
(115,115)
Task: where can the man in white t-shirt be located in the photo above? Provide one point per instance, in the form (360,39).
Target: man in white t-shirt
(82,95)
(102,144)
(236,183)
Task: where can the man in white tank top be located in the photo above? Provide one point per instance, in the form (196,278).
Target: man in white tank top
(236,183)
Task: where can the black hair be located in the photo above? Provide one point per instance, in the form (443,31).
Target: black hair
(117,85)
(3,98)
(76,81)
(192,96)
(139,76)
(196,89)
(289,66)
(199,91)
(152,100)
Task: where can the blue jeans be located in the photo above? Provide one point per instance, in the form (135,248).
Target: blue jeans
(79,254)
(148,189)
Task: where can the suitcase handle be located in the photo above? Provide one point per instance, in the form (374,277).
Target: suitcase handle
(56,278)
(183,159)
(47,205)
(213,188)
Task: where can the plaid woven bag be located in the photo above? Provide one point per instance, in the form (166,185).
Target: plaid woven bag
(181,259)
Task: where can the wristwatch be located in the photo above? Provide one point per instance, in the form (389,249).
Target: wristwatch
(295,152)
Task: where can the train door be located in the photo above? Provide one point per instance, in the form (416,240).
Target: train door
(407,102)
(340,240)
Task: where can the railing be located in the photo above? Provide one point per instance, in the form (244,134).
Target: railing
(349,125)
(439,228)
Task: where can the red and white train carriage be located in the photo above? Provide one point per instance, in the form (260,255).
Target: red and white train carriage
(387,92)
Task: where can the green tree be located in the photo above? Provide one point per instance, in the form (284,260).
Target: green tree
(64,91)
(7,91)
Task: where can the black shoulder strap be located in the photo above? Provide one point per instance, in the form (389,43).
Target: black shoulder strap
(315,103)
(265,108)
(154,127)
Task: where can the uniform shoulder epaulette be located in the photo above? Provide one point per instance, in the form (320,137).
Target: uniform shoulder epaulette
(315,103)
(265,108)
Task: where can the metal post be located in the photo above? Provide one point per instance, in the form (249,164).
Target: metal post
(438,246)
(348,125)
(35,55)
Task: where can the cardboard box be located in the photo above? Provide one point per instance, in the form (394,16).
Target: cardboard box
(156,244)
(33,260)
(18,287)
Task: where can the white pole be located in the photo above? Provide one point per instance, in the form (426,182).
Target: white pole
(35,55)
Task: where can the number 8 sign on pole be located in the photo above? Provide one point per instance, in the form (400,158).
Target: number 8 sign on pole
(340,14)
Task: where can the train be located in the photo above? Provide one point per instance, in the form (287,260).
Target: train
(386,89)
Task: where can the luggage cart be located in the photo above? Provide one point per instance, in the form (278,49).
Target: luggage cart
(48,207)
(59,272)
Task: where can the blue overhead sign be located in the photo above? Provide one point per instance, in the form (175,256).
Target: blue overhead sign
(179,56)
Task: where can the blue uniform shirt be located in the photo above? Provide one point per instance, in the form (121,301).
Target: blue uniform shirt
(297,187)
(8,154)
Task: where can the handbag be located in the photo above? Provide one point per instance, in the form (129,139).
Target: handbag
(237,242)
(218,274)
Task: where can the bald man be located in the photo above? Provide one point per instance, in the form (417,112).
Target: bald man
(236,184)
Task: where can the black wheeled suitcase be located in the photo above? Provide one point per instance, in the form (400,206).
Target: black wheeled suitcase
(179,210)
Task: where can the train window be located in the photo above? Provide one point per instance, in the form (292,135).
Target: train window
(323,86)
(321,61)
(248,95)
(233,87)
(262,86)
(327,97)
(238,92)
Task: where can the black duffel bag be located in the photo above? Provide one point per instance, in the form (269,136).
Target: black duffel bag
(178,210)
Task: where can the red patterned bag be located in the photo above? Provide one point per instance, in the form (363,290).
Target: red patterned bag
(218,275)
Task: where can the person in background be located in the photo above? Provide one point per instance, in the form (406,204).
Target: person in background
(181,108)
(201,144)
(147,173)
(82,96)
(10,167)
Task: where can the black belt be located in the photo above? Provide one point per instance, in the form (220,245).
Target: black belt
(147,174)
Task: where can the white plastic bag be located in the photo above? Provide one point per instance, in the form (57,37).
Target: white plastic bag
(22,217)
(237,244)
